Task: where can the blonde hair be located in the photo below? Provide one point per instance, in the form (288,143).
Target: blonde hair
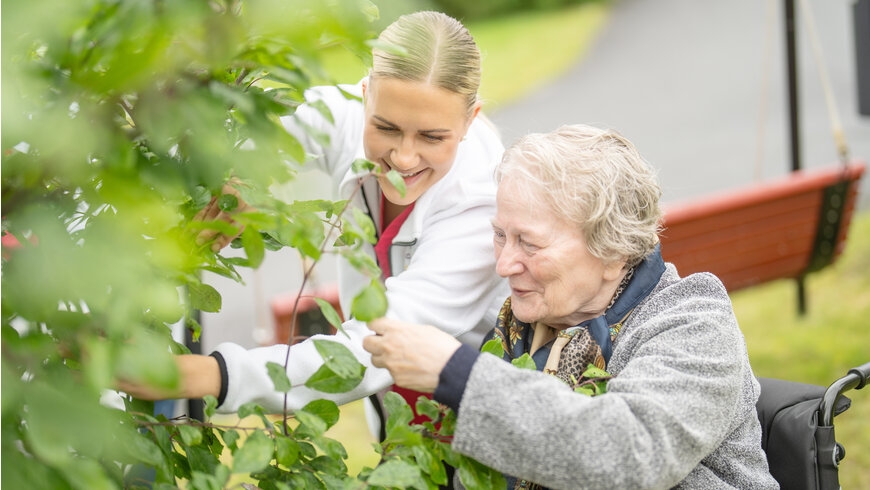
(595,179)
(433,48)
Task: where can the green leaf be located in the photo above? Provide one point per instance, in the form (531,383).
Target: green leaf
(255,454)
(204,297)
(87,474)
(255,247)
(325,410)
(365,225)
(397,474)
(430,463)
(329,313)
(286,450)
(361,165)
(143,449)
(370,303)
(339,358)
(190,435)
(327,381)
(228,202)
(525,362)
(594,372)
(493,346)
(231,437)
(314,424)
(475,476)
(428,407)
(278,375)
(209,406)
(398,182)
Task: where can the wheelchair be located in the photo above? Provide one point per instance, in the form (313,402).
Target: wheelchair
(797,429)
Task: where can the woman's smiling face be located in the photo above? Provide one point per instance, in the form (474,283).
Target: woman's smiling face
(553,277)
(413,128)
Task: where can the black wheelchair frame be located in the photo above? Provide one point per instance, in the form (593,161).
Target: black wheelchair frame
(797,424)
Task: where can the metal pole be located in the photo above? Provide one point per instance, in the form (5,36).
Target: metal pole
(794,117)
(791,59)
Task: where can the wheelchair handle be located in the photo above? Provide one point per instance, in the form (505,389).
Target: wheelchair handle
(856,378)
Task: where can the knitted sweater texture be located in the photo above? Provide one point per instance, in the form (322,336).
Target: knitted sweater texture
(679,413)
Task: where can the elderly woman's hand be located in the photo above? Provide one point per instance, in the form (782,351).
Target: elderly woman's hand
(414,354)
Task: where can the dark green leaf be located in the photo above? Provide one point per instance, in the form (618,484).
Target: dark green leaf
(228,202)
(204,297)
(327,381)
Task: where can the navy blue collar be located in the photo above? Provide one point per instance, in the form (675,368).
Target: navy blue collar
(646,276)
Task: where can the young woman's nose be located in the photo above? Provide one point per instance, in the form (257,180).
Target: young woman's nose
(404,155)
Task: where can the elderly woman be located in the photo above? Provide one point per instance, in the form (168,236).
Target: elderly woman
(576,235)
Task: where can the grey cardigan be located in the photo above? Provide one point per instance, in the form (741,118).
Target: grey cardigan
(679,413)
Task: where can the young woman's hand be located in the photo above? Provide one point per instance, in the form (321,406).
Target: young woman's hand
(414,354)
(213,211)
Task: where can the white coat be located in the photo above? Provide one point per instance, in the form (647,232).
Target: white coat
(442,260)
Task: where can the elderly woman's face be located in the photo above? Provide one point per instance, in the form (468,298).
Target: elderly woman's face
(553,277)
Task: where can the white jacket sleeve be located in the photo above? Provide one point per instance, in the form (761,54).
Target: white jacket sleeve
(247,379)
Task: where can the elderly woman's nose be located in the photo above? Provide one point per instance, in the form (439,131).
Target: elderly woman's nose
(507,261)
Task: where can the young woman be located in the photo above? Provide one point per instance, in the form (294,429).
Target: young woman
(420,116)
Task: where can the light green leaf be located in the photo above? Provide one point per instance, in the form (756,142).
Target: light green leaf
(365,225)
(287,450)
(329,313)
(339,358)
(370,303)
(524,362)
(493,346)
(325,410)
(255,247)
(279,378)
(361,165)
(397,474)
(189,434)
(398,182)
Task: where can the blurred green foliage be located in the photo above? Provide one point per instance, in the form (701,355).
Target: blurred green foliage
(122,119)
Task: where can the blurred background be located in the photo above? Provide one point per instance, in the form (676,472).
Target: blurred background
(701,88)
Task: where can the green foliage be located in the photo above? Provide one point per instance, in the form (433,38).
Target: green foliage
(122,121)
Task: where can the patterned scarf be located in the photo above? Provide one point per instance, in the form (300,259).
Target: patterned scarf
(574,349)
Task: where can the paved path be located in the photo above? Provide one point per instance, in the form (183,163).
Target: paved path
(700,87)
(690,82)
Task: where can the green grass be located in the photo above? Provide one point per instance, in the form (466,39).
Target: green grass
(522,52)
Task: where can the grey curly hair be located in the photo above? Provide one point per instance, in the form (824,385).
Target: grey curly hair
(594,178)
(429,47)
